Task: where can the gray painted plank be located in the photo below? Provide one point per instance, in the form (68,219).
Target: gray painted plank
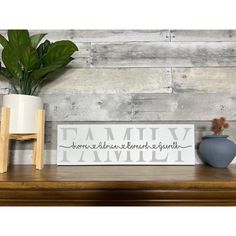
(183,106)
(139,107)
(164,54)
(82,107)
(105,35)
(203,35)
(117,80)
(204,80)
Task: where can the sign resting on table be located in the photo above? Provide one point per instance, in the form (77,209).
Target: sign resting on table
(126,144)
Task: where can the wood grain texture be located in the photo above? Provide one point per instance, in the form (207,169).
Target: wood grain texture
(139,107)
(131,107)
(204,80)
(4,138)
(183,106)
(164,54)
(114,186)
(115,80)
(104,35)
(86,107)
(203,35)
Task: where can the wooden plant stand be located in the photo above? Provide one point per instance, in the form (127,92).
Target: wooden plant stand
(37,138)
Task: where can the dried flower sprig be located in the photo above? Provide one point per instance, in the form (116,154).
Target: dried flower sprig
(219,125)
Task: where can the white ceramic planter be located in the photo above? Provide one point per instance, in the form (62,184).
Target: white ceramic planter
(23,118)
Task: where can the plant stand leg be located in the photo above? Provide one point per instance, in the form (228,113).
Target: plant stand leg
(40,139)
(34,152)
(4,139)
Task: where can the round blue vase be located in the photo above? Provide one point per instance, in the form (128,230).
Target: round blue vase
(217,150)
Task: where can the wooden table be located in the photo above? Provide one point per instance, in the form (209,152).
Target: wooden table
(118,185)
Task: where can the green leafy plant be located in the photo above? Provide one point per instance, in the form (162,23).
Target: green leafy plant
(27,63)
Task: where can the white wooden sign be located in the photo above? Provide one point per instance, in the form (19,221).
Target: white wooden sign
(126,144)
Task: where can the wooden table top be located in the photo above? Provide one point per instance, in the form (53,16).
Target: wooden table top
(118,185)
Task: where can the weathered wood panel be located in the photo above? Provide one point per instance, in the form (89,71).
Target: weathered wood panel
(203,35)
(139,107)
(80,107)
(117,80)
(183,106)
(167,54)
(105,35)
(204,80)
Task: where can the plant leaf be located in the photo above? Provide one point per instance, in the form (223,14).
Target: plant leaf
(29,57)
(11,62)
(17,38)
(42,72)
(3,41)
(59,51)
(5,73)
(35,39)
(43,48)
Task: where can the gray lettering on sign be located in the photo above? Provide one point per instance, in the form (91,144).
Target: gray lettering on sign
(65,132)
(141,157)
(154,133)
(64,157)
(89,134)
(179,157)
(127,135)
(141,133)
(118,153)
(128,157)
(173,133)
(186,132)
(154,158)
(81,157)
(96,157)
(108,157)
(110,135)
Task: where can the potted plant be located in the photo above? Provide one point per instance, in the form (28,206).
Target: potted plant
(27,63)
(217,150)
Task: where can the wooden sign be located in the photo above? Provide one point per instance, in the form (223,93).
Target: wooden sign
(126,144)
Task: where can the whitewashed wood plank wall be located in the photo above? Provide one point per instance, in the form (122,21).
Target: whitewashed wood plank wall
(167,76)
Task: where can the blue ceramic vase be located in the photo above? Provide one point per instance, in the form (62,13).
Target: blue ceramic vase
(217,150)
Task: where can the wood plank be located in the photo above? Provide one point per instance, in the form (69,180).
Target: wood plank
(117,80)
(139,107)
(152,177)
(22,137)
(184,106)
(104,35)
(118,185)
(164,54)
(203,35)
(40,139)
(204,80)
(88,107)
(4,139)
